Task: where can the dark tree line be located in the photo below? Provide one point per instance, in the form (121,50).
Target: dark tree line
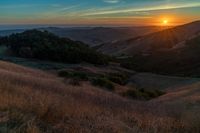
(47,46)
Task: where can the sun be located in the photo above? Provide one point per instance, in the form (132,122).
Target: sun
(165,22)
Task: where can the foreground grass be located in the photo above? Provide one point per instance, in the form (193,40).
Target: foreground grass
(32,101)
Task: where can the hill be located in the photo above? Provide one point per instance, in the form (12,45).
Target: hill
(174,51)
(182,61)
(158,41)
(93,36)
(44,45)
(37,101)
(99,35)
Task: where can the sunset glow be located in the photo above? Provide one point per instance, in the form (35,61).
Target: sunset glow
(165,22)
(98,12)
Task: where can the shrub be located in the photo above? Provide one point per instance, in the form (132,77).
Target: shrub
(74,81)
(130,93)
(77,75)
(80,75)
(153,93)
(149,94)
(118,78)
(103,82)
(142,94)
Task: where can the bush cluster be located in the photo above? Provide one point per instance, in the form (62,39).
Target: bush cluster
(143,94)
(103,82)
(118,78)
(75,75)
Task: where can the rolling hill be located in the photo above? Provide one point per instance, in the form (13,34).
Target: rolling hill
(94,36)
(172,38)
(35,101)
(173,51)
(44,45)
(183,61)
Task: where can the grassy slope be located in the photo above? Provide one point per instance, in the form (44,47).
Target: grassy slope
(34,101)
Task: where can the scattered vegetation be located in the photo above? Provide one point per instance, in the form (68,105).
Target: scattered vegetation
(143,94)
(103,82)
(106,80)
(118,78)
(74,74)
(95,79)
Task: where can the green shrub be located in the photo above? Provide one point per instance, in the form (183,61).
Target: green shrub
(142,94)
(118,78)
(80,75)
(77,75)
(131,93)
(151,93)
(103,82)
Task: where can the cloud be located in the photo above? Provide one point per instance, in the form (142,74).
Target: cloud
(123,17)
(112,1)
(154,8)
(68,8)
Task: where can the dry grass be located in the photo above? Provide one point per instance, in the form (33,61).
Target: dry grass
(32,101)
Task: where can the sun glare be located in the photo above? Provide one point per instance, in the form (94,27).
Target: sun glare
(165,22)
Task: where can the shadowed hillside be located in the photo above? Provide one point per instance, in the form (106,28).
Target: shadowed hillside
(44,45)
(183,61)
(158,41)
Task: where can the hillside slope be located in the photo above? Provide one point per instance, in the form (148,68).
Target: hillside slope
(162,40)
(180,61)
(34,101)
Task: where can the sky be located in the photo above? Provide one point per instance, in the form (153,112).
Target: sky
(99,12)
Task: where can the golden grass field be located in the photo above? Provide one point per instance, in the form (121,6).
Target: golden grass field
(34,101)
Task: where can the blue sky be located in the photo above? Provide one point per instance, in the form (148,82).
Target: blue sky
(98,12)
